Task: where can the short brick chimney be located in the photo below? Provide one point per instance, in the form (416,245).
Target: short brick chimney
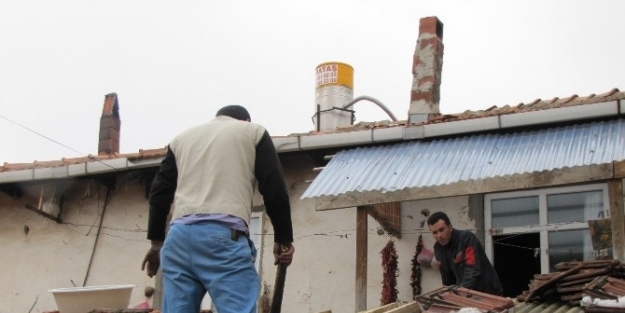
(427,66)
(110,125)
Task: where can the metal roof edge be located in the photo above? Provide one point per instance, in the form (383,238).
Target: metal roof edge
(502,121)
(66,171)
(556,115)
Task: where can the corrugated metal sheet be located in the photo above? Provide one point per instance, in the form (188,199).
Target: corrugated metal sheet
(547,307)
(440,162)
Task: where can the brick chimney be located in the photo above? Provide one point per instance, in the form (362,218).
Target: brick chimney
(110,125)
(427,66)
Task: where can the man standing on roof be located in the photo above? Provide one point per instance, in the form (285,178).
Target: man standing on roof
(462,258)
(209,174)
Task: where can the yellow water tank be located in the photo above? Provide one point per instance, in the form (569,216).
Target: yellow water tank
(334,89)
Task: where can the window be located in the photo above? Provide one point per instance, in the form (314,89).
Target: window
(558,216)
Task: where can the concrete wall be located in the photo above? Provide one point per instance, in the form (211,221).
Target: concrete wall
(40,254)
(322,277)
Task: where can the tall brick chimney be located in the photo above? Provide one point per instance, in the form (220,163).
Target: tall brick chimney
(110,125)
(427,66)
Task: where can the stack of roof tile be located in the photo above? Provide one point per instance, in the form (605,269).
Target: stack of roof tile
(448,299)
(605,288)
(571,281)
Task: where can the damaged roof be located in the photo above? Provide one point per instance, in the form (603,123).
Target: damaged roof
(560,291)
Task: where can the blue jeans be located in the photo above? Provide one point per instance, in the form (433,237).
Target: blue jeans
(203,257)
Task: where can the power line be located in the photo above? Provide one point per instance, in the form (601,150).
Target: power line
(52,140)
(39,134)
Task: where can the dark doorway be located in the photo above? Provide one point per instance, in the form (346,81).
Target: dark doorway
(515,261)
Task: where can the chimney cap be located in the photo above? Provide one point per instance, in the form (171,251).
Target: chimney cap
(111,105)
(431,25)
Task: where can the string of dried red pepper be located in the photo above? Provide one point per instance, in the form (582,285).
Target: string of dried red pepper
(389,266)
(415,278)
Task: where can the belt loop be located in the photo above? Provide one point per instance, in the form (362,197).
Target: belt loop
(234,234)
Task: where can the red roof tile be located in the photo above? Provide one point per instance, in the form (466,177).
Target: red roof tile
(535,105)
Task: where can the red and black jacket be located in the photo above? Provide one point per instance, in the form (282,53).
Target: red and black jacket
(464,263)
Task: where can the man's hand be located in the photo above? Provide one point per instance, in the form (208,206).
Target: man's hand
(152,259)
(152,262)
(283,254)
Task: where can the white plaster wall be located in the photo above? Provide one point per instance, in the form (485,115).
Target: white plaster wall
(56,255)
(457,210)
(322,276)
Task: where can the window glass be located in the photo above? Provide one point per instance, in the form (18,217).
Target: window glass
(575,207)
(568,245)
(562,218)
(515,212)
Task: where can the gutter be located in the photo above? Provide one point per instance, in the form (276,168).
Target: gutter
(490,123)
(371,136)
(77,170)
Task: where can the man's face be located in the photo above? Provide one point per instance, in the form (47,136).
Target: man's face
(441,232)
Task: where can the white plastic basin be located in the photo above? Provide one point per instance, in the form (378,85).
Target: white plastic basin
(86,299)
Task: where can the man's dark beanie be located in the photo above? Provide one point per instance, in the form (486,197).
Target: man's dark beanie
(235,111)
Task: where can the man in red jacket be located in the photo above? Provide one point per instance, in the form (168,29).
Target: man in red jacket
(462,258)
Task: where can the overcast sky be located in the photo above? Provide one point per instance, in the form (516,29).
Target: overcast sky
(173,64)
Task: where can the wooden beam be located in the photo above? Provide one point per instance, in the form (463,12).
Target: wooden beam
(617,216)
(157,299)
(619,169)
(558,177)
(396,307)
(42,213)
(361,258)
(410,307)
(389,217)
(382,309)
(13,190)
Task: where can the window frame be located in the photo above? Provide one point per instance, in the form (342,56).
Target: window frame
(543,228)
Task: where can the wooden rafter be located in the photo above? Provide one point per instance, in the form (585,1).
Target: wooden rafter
(389,217)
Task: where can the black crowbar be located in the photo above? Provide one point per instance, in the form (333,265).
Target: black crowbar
(278,291)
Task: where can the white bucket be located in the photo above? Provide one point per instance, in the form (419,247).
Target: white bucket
(86,299)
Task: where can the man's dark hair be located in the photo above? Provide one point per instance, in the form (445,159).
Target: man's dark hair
(235,111)
(435,217)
